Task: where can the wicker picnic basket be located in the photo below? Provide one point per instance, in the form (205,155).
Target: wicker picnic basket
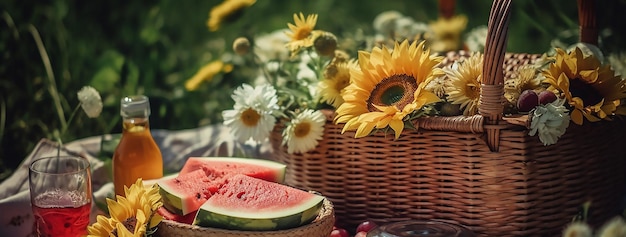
(481,171)
(320,227)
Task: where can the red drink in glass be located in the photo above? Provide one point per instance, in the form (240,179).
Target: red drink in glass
(61,213)
(60,189)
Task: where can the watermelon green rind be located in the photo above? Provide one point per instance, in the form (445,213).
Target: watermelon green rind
(181,196)
(171,202)
(212,216)
(246,203)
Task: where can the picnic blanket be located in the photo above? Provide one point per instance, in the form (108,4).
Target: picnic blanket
(16,217)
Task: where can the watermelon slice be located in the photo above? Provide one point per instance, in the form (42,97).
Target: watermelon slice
(186,193)
(202,176)
(258,168)
(246,203)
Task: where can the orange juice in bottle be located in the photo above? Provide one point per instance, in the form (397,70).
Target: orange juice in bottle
(137,154)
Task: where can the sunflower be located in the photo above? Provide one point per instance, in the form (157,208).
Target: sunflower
(448,32)
(225,11)
(337,78)
(132,215)
(387,86)
(526,79)
(592,90)
(463,85)
(103,227)
(304,131)
(301,32)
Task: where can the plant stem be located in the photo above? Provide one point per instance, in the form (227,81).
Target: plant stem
(52,87)
(69,121)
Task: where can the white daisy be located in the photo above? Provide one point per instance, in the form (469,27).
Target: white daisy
(475,39)
(253,113)
(271,46)
(90,101)
(304,131)
(550,121)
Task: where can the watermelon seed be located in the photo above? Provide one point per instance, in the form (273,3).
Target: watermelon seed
(198,196)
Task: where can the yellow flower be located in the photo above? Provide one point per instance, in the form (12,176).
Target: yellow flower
(526,80)
(448,32)
(131,215)
(301,32)
(207,73)
(127,217)
(147,198)
(103,227)
(463,85)
(338,77)
(592,90)
(386,87)
(226,9)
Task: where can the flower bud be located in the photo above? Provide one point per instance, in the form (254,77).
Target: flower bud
(325,43)
(241,46)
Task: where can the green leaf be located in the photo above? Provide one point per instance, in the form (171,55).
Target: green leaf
(105,79)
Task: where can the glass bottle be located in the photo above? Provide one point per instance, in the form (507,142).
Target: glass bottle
(137,154)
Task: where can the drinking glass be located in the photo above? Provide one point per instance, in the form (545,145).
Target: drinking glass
(60,195)
(421,228)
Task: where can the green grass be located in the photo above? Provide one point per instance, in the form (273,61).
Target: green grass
(51,49)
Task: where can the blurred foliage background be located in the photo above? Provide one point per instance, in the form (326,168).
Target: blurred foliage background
(50,49)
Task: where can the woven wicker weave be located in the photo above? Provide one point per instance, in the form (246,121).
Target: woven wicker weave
(320,227)
(479,171)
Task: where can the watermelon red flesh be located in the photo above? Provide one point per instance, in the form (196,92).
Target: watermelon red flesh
(246,203)
(201,177)
(258,168)
(186,193)
(167,215)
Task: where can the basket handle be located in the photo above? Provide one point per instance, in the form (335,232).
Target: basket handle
(588,31)
(492,81)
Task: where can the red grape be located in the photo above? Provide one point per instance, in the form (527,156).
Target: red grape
(366,226)
(339,232)
(546,97)
(527,101)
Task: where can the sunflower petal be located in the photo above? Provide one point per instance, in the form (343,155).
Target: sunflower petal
(397,126)
(577,117)
(364,130)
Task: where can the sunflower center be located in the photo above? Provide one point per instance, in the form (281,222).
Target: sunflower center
(129,224)
(302,33)
(473,91)
(250,117)
(395,90)
(584,91)
(302,129)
